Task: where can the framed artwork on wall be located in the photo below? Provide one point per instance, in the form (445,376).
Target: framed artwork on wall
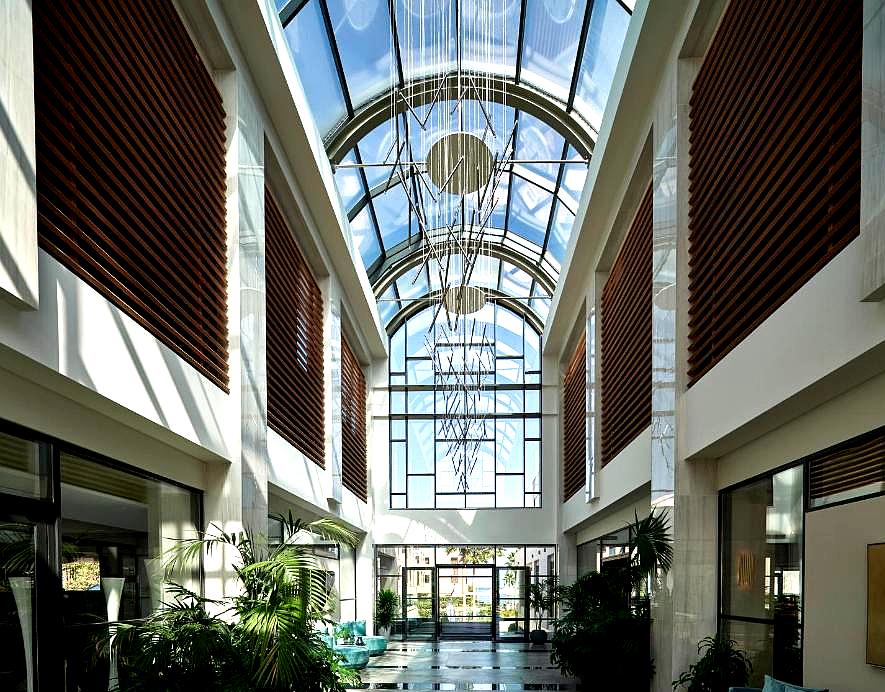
(876,604)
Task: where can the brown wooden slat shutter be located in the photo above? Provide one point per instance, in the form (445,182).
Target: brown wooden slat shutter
(130,141)
(774,190)
(574,412)
(353,423)
(626,338)
(848,469)
(295,391)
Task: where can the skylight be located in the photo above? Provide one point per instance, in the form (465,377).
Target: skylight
(558,55)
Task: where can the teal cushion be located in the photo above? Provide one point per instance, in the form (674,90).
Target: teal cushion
(358,628)
(796,688)
(772,685)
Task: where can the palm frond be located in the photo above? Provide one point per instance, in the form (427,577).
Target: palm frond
(651,543)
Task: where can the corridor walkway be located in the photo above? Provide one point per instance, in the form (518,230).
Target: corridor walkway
(464,665)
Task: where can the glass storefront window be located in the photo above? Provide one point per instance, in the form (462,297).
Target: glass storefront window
(761,572)
(116,529)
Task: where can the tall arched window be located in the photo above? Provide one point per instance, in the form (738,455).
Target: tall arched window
(465,411)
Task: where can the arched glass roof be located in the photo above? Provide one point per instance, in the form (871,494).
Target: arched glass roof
(562,53)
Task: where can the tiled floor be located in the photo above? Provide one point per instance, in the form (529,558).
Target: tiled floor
(457,666)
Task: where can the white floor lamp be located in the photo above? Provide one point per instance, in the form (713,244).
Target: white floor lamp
(22,588)
(113,592)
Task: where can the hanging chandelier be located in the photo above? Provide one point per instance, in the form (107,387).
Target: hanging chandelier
(451,152)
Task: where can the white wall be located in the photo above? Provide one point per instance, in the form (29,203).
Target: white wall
(18,175)
(819,343)
(119,367)
(617,516)
(841,418)
(835,596)
(623,475)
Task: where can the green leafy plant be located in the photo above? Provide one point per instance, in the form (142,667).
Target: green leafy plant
(602,635)
(343,634)
(542,598)
(721,666)
(386,608)
(262,639)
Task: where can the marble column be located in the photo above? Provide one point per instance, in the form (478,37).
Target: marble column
(684,602)
(335,375)
(872,144)
(18,155)
(591,487)
(253,373)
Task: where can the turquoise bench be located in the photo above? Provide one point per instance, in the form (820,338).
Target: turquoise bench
(772,685)
(355,657)
(376,645)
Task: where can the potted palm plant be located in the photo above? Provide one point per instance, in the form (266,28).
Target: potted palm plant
(264,638)
(542,598)
(386,607)
(721,667)
(602,634)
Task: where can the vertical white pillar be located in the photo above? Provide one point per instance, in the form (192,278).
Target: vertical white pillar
(252,290)
(335,433)
(684,607)
(18,156)
(872,156)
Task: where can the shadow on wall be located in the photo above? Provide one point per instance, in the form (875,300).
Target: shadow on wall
(81,336)
(14,144)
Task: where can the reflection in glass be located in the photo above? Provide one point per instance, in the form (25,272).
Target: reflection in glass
(312,54)
(762,539)
(362,230)
(489,31)
(23,467)
(424,29)
(530,208)
(18,555)
(608,27)
(552,33)
(115,526)
(362,31)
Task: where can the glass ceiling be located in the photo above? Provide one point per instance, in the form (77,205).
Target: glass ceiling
(565,49)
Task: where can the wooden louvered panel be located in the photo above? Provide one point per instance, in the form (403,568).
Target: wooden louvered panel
(853,465)
(574,412)
(774,190)
(295,392)
(130,139)
(626,334)
(353,423)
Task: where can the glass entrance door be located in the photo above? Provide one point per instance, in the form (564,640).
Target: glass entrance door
(511,602)
(465,602)
(419,603)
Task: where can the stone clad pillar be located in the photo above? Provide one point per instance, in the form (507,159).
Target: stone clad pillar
(253,373)
(684,602)
(872,156)
(18,155)
(236,493)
